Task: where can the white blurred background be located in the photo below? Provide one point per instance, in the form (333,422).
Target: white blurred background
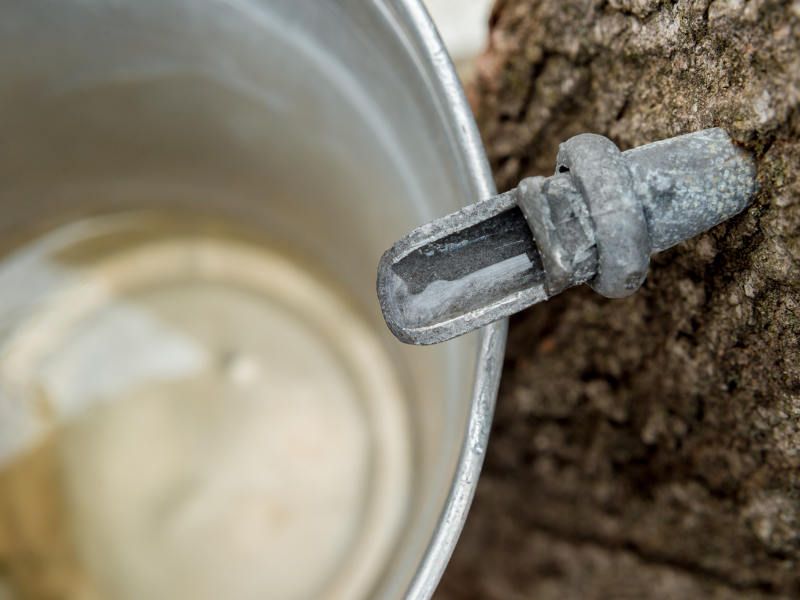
(463,25)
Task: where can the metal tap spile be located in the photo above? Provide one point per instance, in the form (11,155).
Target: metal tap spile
(596,221)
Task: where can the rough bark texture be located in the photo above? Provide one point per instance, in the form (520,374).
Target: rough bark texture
(648,447)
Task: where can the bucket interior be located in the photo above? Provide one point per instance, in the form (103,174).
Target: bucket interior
(229,169)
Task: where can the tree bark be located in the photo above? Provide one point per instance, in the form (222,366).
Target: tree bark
(647,447)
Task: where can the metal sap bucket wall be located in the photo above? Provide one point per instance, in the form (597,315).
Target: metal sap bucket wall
(194,197)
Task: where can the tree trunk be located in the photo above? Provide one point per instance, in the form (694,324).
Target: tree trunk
(647,448)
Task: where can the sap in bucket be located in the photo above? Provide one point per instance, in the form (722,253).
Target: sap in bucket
(198,396)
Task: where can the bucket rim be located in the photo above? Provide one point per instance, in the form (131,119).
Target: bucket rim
(414,19)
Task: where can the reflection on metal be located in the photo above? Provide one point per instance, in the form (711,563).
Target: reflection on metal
(596,221)
(492,344)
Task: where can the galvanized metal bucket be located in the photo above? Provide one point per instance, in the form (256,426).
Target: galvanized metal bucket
(331,127)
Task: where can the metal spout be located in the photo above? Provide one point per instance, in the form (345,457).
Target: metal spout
(596,221)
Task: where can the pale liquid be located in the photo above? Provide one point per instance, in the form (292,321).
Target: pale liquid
(190,417)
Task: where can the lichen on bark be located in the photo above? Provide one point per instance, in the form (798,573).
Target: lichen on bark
(648,447)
